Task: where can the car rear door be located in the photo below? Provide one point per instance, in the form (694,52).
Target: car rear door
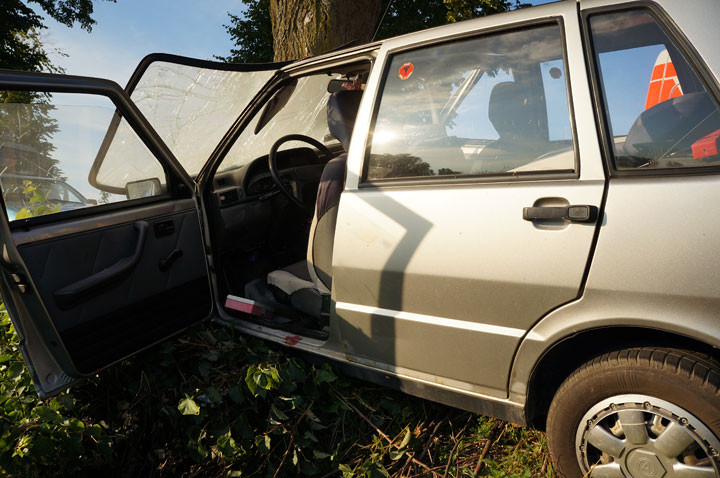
(455,233)
(87,283)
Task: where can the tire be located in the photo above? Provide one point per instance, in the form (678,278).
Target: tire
(623,401)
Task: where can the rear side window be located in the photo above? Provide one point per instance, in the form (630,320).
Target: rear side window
(660,114)
(495,105)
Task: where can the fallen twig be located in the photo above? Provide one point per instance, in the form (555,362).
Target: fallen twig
(292,438)
(380,432)
(426,447)
(455,446)
(484,451)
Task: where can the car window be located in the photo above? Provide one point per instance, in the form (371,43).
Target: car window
(304,113)
(48,145)
(191,107)
(495,105)
(660,113)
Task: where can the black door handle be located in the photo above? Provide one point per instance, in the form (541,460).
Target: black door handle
(574,213)
(168,261)
(70,294)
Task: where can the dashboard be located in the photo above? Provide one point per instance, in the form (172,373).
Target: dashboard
(247,202)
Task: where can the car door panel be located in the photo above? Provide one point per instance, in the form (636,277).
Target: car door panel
(135,308)
(445,286)
(88,285)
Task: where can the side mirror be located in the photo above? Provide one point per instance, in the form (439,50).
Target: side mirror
(92,201)
(144,188)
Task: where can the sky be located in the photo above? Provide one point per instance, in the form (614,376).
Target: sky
(128,30)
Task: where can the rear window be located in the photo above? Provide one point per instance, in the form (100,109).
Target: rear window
(660,114)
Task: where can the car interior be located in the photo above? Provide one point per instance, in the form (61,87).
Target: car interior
(273,217)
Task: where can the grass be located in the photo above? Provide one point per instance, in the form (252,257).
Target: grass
(214,403)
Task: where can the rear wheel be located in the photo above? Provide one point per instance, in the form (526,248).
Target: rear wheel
(638,413)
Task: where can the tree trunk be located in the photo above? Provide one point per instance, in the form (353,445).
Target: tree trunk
(303,28)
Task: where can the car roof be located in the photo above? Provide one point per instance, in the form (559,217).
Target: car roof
(523,13)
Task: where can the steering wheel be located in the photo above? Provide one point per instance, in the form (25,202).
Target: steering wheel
(300,175)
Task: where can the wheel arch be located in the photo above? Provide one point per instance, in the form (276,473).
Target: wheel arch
(568,353)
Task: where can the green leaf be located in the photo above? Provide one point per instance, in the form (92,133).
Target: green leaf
(226,445)
(187,406)
(278,413)
(263,443)
(23,213)
(250,379)
(396,454)
(321,455)
(406,438)
(236,395)
(325,374)
(212,355)
(197,451)
(46,414)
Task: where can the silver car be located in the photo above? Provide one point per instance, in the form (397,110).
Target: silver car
(508,215)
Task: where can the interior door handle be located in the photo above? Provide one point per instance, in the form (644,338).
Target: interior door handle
(573,213)
(70,294)
(166,263)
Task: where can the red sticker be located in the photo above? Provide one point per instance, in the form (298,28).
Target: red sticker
(405,71)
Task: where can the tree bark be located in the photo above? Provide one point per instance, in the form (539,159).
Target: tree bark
(303,28)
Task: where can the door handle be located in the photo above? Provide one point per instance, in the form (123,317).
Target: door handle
(166,263)
(70,294)
(573,213)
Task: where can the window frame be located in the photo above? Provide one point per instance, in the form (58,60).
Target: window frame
(365,183)
(176,179)
(683,45)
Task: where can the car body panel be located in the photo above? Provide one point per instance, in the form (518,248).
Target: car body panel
(655,265)
(632,281)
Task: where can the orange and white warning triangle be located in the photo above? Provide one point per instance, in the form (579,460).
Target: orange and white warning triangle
(664,82)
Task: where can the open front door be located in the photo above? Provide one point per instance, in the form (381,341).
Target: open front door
(102,250)
(101,234)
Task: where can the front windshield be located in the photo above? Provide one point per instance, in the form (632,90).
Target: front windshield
(190,107)
(304,113)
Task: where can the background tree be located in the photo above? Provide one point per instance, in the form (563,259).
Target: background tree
(20,48)
(290,23)
(26,123)
(303,28)
(252,33)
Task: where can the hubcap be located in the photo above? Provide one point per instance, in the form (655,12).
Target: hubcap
(637,436)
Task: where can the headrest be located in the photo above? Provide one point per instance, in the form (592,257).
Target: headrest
(667,124)
(511,114)
(342,109)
